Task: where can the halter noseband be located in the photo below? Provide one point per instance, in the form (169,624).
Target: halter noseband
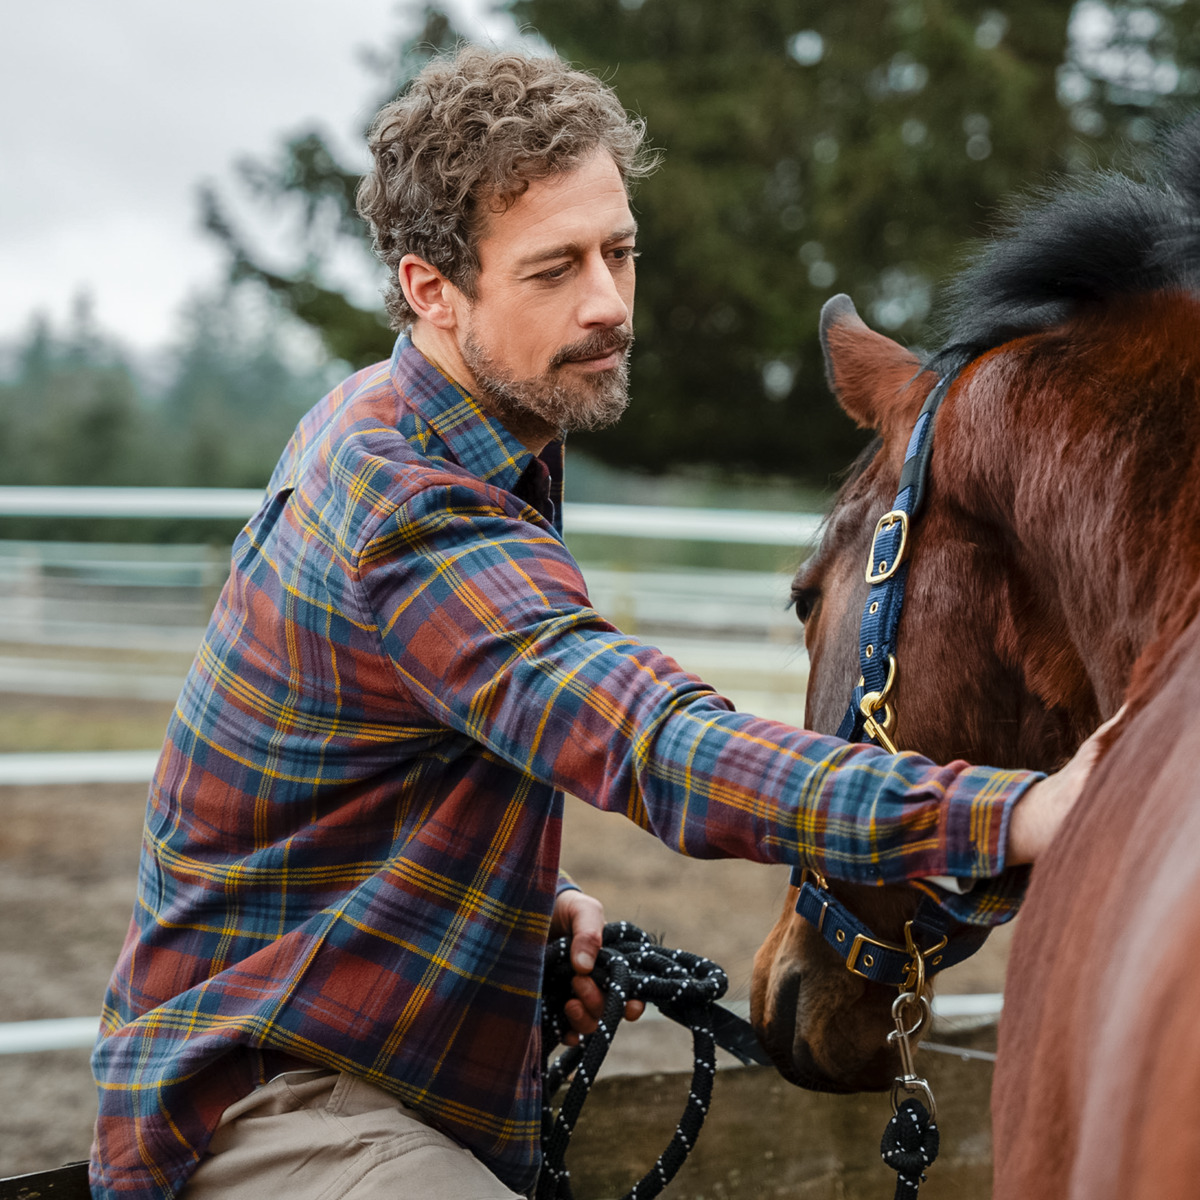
(871,717)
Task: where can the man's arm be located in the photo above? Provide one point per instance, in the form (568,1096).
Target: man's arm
(486,619)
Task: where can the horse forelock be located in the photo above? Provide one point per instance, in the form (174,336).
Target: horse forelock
(1072,249)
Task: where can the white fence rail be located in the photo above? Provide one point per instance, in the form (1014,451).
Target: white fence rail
(622,520)
(123,620)
(158,597)
(70,1033)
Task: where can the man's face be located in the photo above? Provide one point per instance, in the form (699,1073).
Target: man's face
(548,336)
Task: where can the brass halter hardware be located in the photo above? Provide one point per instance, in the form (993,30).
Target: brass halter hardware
(877,572)
(880,728)
(914,979)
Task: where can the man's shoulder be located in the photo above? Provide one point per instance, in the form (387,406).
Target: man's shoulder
(363,452)
(365,422)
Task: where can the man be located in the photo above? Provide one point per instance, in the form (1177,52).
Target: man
(350,865)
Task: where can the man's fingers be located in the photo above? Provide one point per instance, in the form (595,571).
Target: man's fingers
(589,995)
(585,1010)
(587,933)
(1039,814)
(582,918)
(580,1020)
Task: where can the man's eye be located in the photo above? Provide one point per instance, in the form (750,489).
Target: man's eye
(625,253)
(555,272)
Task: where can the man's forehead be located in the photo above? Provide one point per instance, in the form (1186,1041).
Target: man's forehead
(561,214)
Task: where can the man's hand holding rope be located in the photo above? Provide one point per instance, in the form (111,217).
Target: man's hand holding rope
(581,917)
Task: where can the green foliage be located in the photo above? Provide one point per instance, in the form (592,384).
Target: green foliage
(74,411)
(307,180)
(810,148)
(240,380)
(70,410)
(813,148)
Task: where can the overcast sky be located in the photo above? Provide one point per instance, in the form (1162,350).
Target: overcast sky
(114,111)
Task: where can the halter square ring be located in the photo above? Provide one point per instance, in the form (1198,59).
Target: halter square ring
(890,519)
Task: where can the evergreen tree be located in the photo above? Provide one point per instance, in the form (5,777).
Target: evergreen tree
(810,148)
(70,413)
(217,413)
(241,377)
(814,148)
(321,191)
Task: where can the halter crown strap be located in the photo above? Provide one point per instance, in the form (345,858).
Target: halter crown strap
(887,572)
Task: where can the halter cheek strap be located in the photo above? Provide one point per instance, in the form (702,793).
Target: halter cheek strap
(870,715)
(933,940)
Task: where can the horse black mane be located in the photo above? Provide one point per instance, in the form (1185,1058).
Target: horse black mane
(1083,244)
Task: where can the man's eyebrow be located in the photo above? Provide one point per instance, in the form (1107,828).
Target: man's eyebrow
(572,249)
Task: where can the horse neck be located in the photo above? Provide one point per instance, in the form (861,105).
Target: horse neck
(1100,491)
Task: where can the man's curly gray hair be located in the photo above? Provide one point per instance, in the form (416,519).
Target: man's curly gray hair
(470,133)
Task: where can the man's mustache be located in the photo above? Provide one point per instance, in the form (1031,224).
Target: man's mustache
(595,345)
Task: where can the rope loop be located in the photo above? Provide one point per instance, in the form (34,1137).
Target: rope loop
(910,1144)
(630,966)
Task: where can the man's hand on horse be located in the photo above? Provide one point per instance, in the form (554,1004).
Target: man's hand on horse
(582,917)
(1039,813)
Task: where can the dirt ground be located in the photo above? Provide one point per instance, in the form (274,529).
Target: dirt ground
(68,858)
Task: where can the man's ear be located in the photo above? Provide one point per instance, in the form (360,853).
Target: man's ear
(429,293)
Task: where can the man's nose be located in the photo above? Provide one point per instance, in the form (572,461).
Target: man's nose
(603,302)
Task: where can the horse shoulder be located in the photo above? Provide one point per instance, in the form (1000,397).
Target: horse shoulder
(1094,1090)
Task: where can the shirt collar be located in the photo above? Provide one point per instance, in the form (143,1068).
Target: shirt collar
(470,437)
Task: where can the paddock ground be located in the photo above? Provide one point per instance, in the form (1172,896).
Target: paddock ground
(67,870)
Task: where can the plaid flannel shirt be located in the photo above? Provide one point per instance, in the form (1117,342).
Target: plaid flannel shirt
(352,837)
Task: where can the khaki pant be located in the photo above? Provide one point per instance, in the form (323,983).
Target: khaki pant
(320,1135)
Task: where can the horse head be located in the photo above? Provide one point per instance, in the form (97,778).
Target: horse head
(1023,700)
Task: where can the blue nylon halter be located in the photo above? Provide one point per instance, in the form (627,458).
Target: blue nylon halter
(887,573)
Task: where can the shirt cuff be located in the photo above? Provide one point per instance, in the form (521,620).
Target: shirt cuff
(979,808)
(978,887)
(948,883)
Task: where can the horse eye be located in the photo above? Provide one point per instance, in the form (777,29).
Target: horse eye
(805,600)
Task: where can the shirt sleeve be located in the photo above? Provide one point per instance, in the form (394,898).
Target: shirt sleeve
(486,619)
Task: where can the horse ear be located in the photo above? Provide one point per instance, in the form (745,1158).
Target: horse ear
(867,372)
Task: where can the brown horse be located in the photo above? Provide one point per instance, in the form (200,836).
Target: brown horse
(1056,566)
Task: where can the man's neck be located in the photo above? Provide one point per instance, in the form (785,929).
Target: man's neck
(442,350)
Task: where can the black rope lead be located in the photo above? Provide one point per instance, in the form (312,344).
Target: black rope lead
(630,966)
(909,1145)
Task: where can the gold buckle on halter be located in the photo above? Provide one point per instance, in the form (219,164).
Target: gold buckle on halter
(807,873)
(914,970)
(861,940)
(822,884)
(885,569)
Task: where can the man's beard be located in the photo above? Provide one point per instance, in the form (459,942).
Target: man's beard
(588,401)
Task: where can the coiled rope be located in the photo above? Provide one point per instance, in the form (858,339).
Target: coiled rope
(630,966)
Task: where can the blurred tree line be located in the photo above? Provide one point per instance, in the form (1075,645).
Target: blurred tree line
(213,410)
(809,148)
